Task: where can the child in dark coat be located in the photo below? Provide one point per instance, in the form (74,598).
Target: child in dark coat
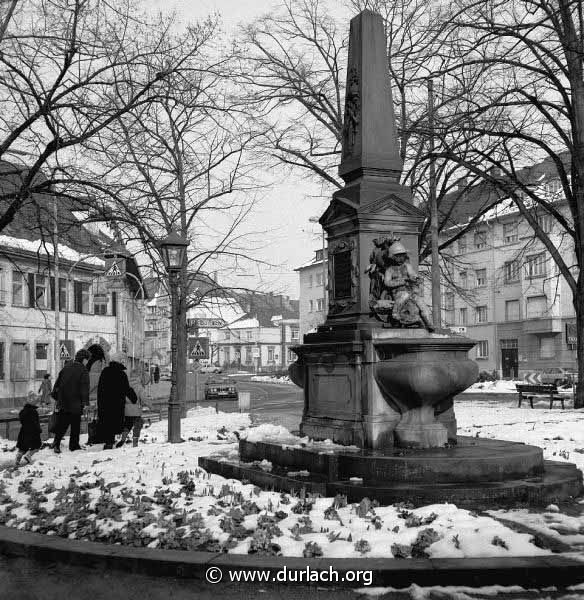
(29,436)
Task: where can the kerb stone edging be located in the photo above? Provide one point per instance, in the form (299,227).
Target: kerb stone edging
(537,571)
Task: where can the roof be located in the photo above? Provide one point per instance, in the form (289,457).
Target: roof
(460,206)
(32,229)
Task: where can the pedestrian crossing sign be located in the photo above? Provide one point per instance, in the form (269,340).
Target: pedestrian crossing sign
(197,351)
(113,271)
(63,352)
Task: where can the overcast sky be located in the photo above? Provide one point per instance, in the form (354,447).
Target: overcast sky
(286,210)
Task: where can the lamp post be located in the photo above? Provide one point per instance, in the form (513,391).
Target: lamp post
(173,249)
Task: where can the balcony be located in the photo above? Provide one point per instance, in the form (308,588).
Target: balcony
(543,325)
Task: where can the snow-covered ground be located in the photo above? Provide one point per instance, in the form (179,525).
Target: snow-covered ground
(157,496)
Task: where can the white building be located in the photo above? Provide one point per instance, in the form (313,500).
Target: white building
(313,296)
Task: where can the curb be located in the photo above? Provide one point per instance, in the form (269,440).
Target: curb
(528,572)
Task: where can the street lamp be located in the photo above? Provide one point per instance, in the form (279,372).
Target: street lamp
(324,282)
(173,249)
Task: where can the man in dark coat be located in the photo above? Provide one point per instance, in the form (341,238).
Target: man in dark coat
(112,391)
(71,393)
(156,374)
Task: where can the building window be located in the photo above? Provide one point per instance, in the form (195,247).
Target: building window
(2,375)
(511,270)
(227,335)
(510,233)
(553,187)
(291,356)
(3,291)
(480,239)
(545,222)
(318,255)
(449,301)
(40,357)
(481,277)
(19,361)
(463,316)
(227,355)
(248,354)
(319,279)
(270,354)
(310,281)
(249,335)
(512,310)
(536,307)
(81,291)
(295,335)
(18,288)
(483,349)
(311,304)
(536,265)
(320,304)
(463,277)
(100,304)
(481,314)
(547,347)
(41,292)
(462,245)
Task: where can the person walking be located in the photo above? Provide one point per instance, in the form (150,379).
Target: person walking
(156,374)
(71,395)
(112,391)
(133,410)
(29,436)
(45,390)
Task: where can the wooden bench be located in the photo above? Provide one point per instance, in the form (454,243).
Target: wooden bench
(527,390)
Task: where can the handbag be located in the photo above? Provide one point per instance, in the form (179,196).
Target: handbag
(52,423)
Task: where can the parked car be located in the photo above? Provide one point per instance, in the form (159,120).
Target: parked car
(557,375)
(165,374)
(221,389)
(210,369)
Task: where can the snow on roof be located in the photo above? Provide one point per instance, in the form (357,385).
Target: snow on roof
(244,324)
(46,248)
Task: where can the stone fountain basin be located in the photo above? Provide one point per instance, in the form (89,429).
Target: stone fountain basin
(475,472)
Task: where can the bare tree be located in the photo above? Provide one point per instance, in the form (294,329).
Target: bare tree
(182,163)
(530,107)
(68,69)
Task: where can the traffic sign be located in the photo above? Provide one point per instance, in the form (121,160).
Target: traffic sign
(199,347)
(63,352)
(113,271)
(205,323)
(532,378)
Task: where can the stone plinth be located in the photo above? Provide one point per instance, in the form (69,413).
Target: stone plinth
(475,472)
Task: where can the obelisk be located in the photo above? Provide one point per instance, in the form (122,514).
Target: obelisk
(372,202)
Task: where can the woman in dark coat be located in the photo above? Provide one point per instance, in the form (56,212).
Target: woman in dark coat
(112,391)
(29,436)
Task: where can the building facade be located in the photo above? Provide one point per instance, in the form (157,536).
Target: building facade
(505,291)
(313,293)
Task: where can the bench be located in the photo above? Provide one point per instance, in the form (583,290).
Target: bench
(527,390)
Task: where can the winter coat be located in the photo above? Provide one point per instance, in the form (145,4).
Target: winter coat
(29,436)
(72,388)
(134,409)
(45,391)
(112,391)
(95,370)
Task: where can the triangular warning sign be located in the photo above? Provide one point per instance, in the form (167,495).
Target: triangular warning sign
(63,352)
(113,271)
(197,351)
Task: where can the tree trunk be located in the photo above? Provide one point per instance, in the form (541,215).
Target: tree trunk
(181,356)
(579,308)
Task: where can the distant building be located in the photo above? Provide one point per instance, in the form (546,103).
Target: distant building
(94,308)
(261,339)
(505,290)
(313,297)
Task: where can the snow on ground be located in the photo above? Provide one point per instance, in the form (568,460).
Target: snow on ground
(155,495)
(270,379)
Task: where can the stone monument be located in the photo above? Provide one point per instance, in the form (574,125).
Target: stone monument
(377,375)
(376,372)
